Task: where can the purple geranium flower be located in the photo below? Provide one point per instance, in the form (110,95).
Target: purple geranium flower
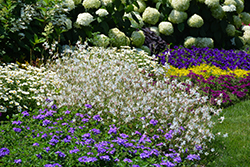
(74,151)
(16,122)
(47,149)
(96,131)
(124,135)
(67,112)
(87,159)
(25,113)
(39,156)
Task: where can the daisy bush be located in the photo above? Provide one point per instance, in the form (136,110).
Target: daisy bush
(23,89)
(108,112)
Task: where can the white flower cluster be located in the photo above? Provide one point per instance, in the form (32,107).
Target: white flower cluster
(151,15)
(118,38)
(68,24)
(133,22)
(84,19)
(155,29)
(245,18)
(166,28)
(60,20)
(180,5)
(217,12)
(246,34)
(101,40)
(111,82)
(195,21)
(70,4)
(212,3)
(142,6)
(137,38)
(230,30)
(237,21)
(238,3)
(90,4)
(177,17)
(229,8)
(102,12)
(107,2)
(198,42)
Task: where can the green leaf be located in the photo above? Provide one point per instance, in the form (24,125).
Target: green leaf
(105,27)
(99,20)
(135,18)
(181,27)
(129,8)
(41,20)
(158,5)
(238,42)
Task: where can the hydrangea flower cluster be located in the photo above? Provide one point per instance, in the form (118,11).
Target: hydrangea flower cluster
(198,42)
(151,15)
(84,19)
(142,6)
(245,18)
(212,3)
(217,12)
(238,3)
(180,5)
(189,42)
(107,2)
(229,8)
(237,21)
(246,34)
(177,17)
(102,12)
(137,38)
(195,21)
(91,4)
(230,30)
(101,40)
(118,38)
(166,28)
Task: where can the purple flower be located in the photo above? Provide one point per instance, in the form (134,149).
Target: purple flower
(44,135)
(39,156)
(67,112)
(168,164)
(138,133)
(112,129)
(74,151)
(87,159)
(96,131)
(25,113)
(153,122)
(157,165)
(144,155)
(127,160)
(60,154)
(135,166)
(198,147)
(90,153)
(64,123)
(97,118)
(191,157)
(86,135)
(47,149)
(54,106)
(105,158)
(16,122)
(124,135)
(4,151)
(17,130)
(17,161)
(116,160)
(35,144)
(177,159)
(88,105)
(46,122)
(84,120)
(48,100)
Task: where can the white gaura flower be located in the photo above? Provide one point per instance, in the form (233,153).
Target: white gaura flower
(89,4)
(151,15)
(166,28)
(180,5)
(195,21)
(217,12)
(189,42)
(212,3)
(137,38)
(102,12)
(229,8)
(177,17)
(230,30)
(84,19)
(245,17)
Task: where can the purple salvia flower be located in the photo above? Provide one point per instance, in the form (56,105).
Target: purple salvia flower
(177,159)
(88,105)
(96,131)
(17,130)
(44,135)
(17,161)
(74,151)
(86,135)
(46,122)
(84,120)
(90,153)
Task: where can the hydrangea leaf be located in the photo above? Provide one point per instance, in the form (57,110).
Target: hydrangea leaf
(181,27)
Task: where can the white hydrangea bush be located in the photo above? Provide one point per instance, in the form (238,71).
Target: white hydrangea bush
(195,21)
(118,38)
(166,28)
(91,4)
(151,15)
(137,38)
(112,83)
(84,19)
(230,30)
(177,17)
(180,5)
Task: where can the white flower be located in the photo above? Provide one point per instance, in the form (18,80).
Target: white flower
(246,28)
(137,38)
(204,42)
(189,42)
(102,12)
(84,19)
(177,17)
(229,8)
(155,29)
(246,36)
(245,17)
(166,28)
(195,21)
(230,30)
(237,21)
(133,22)
(212,3)
(101,40)
(118,38)
(217,12)
(68,24)
(70,4)
(238,3)
(151,15)
(225,135)
(142,6)
(180,5)
(89,4)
